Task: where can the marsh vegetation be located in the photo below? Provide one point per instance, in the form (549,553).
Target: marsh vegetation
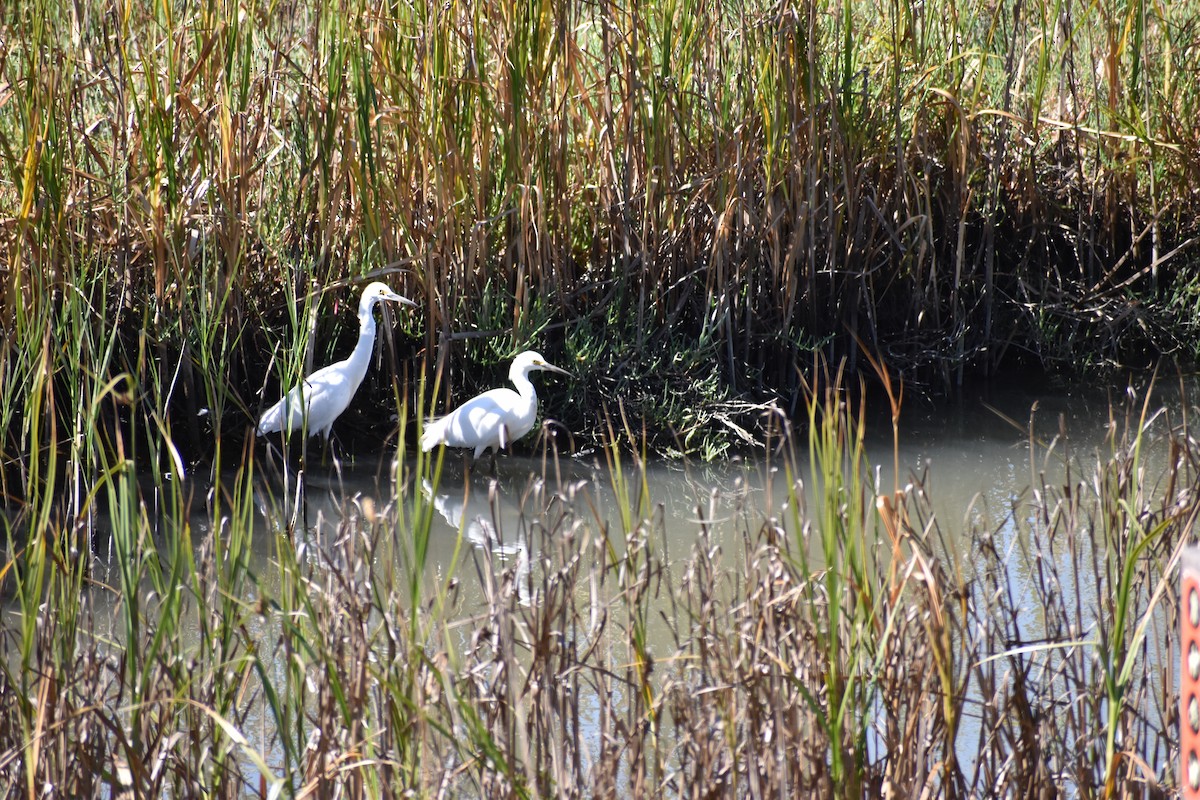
(804,629)
(695,208)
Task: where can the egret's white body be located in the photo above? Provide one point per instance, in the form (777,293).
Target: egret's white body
(495,418)
(324,395)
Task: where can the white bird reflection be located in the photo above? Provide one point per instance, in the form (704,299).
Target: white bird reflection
(480,515)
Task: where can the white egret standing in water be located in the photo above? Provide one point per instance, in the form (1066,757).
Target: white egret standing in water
(495,418)
(323,396)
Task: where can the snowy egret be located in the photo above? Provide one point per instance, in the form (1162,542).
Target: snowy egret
(495,418)
(323,396)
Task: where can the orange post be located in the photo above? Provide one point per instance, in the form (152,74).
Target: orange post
(1189,674)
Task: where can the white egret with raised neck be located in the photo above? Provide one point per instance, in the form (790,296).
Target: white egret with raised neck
(321,398)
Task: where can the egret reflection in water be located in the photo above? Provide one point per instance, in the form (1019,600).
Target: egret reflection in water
(480,515)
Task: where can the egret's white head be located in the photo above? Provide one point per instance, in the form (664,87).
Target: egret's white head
(377,291)
(531,361)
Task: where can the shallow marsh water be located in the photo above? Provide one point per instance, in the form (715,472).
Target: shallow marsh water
(974,458)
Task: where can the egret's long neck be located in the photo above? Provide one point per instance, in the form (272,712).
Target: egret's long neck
(361,356)
(520,379)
